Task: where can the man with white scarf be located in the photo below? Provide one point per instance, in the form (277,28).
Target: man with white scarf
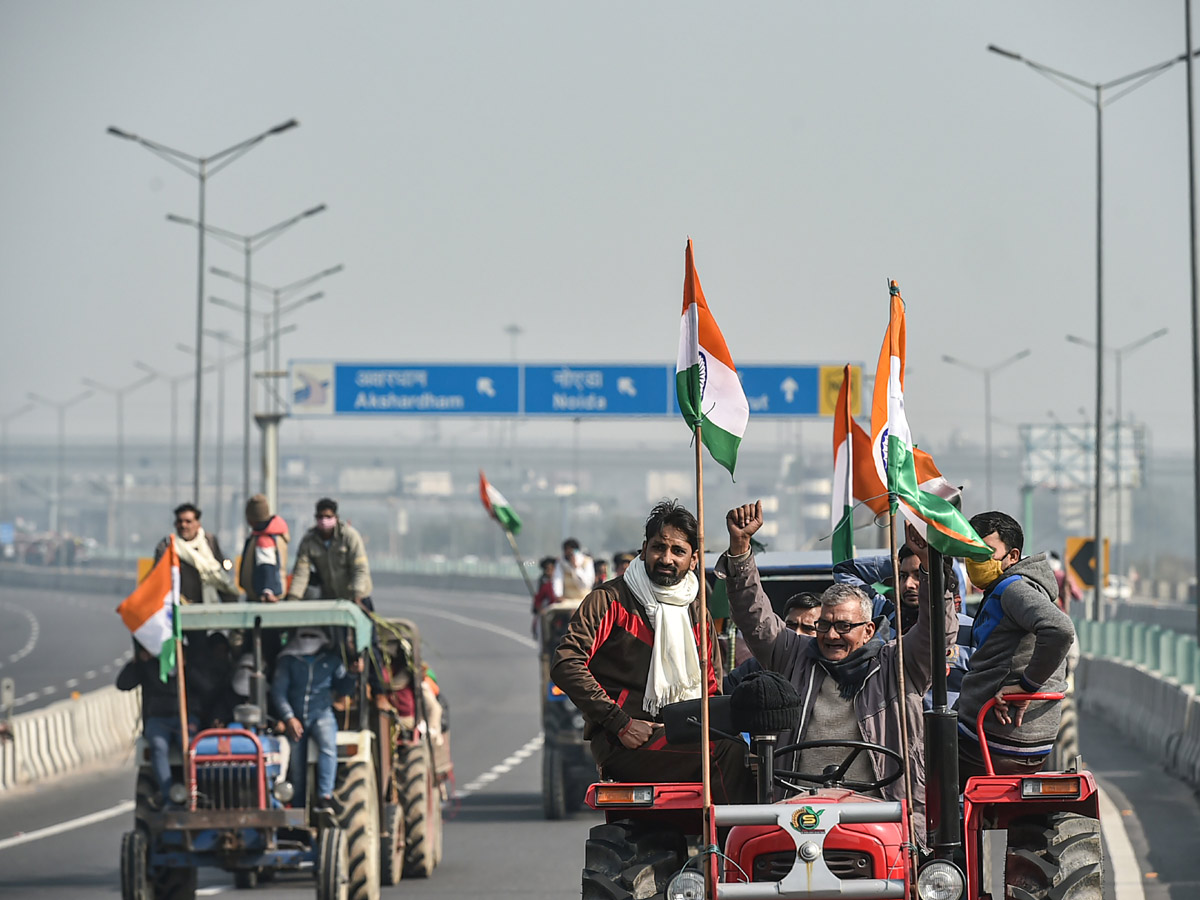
(204,572)
(632,647)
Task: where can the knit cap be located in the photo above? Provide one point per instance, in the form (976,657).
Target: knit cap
(764,703)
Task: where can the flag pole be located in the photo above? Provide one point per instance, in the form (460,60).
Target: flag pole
(705,761)
(512,542)
(181,683)
(900,671)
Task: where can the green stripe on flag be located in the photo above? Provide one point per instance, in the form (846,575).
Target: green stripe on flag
(843,537)
(720,443)
(948,531)
(508,518)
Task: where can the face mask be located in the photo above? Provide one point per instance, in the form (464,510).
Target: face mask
(326,522)
(984,573)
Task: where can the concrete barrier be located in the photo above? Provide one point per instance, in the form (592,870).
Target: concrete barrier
(70,734)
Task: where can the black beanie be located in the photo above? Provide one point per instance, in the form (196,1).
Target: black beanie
(764,703)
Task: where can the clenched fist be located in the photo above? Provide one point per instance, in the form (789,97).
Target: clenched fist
(742,522)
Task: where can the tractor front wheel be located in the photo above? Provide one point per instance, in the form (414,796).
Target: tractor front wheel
(422,802)
(333,865)
(624,859)
(1056,857)
(554,789)
(391,845)
(135,880)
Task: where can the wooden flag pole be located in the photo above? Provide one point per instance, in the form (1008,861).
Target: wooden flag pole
(512,542)
(705,656)
(181,683)
(896,600)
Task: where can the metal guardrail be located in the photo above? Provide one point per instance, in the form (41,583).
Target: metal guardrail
(1159,650)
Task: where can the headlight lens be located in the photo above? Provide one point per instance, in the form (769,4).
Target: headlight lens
(283,791)
(940,880)
(178,794)
(687,885)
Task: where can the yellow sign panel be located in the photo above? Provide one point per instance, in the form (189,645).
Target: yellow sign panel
(1081,560)
(831,383)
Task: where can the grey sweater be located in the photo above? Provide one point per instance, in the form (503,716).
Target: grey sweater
(1028,646)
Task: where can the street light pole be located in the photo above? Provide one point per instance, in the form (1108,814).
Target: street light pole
(4,420)
(119,394)
(60,408)
(199,168)
(248,243)
(1195,282)
(278,295)
(987,372)
(1097,100)
(1119,354)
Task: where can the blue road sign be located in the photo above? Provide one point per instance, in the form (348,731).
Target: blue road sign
(782,390)
(327,388)
(7,534)
(590,390)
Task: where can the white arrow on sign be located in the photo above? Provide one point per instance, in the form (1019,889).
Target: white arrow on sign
(485,387)
(626,386)
(789,388)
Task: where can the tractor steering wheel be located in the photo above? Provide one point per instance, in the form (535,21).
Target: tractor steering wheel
(835,776)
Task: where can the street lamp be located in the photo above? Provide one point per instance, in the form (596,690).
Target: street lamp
(4,420)
(986,372)
(1119,354)
(174,381)
(61,408)
(248,243)
(279,294)
(119,394)
(1097,100)
(201,168)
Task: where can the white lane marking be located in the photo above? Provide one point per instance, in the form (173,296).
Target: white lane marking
(1126,873)
(82,822)
(34,630)
(74,682)
(91,673)
(501,768)
(484,626)
(210,891)
(47,691)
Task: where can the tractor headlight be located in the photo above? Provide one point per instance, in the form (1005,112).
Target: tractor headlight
(178,794)
(283,791)
(687,885)
(940,880)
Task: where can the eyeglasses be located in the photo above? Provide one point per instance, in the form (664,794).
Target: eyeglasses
(823,626)
(802,628)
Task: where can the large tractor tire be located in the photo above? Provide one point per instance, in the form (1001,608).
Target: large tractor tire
(175,884)
(422,802)
(1066,746)
(623,860)
(245,879)
(554,788)
(356,807)
(333,865)
(391,845)
(135,880)
(1057,857)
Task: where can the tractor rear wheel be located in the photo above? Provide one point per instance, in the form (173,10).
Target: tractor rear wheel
(333,865)
(624,859)
(135,880)
(391,845)
(554,789)
(421,799)
(1056,857)
(356,805)
(245,879)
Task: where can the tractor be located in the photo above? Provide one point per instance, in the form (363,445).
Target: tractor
(567,764)
(1014,837)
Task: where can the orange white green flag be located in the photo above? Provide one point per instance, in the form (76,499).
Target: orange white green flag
(937,520)
(706,381)
(497,506)
(149,612)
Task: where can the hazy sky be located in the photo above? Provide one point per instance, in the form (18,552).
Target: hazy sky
(543,163)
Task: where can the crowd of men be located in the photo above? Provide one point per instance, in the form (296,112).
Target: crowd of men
(633,646)
(307,668)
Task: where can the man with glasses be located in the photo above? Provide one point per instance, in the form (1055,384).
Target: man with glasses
(846,674)
(800,614)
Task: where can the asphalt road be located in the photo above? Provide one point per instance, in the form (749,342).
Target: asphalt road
(497,843)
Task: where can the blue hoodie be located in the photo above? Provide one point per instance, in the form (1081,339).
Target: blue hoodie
(304,685)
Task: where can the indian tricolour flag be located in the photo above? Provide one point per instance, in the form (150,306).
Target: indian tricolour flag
(149,612)
(706,381)
(938,521)
(498,508)
(842,507)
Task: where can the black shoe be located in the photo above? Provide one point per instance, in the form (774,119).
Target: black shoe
(323,806)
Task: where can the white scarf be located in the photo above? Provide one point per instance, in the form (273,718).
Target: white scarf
(674,661)
(198,554)
(307,642)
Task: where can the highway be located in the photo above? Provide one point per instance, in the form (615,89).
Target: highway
(60,840)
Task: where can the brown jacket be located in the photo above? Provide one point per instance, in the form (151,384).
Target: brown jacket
(341,566)
(603,660)
(781,650)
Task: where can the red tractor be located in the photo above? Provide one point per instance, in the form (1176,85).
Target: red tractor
(1015,837)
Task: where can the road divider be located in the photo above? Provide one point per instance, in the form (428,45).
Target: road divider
(68,735)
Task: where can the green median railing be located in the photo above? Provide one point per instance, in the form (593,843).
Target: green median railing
(1160,650)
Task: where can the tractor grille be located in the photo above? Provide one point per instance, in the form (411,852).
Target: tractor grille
(227,785)
(842,863)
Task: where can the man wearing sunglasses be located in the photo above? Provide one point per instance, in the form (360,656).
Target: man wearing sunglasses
(846,674)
